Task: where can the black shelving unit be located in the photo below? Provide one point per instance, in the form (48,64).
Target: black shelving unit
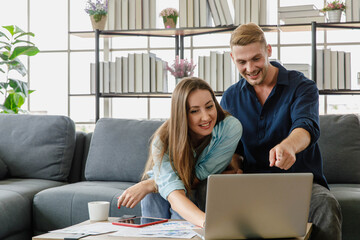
(179,34)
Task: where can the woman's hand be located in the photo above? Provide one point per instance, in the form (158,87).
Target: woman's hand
(235,166)
(134,194)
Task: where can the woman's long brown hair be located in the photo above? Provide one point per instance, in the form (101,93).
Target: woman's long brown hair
(174,133)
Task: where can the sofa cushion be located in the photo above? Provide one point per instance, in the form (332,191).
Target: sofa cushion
(340,147)
(37,146)
(3,169)
(119,149)
(66,205)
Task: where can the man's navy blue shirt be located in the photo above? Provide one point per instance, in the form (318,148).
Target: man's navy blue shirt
(292,103)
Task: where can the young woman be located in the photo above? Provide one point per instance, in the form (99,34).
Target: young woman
(199,139)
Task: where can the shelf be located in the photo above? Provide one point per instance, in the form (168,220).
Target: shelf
(166,32)
(142,95)
(340,92)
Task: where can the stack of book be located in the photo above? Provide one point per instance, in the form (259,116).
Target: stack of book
(218,70)
(131,14)
(300,14)
(255,11)
(136,73)
(333,69)
(194,13)
(352,11)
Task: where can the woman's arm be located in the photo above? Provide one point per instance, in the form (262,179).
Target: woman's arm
(134,194)
(181,204)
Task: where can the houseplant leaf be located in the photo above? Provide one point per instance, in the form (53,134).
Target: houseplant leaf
(24,50)
(19,86)
(14,101)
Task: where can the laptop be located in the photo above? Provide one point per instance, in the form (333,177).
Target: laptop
(245,206)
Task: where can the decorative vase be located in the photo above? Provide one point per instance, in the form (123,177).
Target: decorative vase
(169,22)
(334,15)
(98,21)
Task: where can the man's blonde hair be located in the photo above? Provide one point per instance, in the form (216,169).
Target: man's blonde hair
(246,34)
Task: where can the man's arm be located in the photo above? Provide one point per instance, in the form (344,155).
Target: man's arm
(283,154)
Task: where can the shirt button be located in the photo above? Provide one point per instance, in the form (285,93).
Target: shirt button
(261,117)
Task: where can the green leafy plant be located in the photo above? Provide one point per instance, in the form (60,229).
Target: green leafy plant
(12,45)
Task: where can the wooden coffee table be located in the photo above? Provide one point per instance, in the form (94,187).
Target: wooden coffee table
(52,236)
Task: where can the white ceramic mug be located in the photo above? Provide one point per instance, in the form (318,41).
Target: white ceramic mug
(98,210)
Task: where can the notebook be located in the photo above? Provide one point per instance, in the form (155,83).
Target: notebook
(243,206)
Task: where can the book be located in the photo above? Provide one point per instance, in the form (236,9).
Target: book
(125,74)
(101,77)
(297,8)
(190,13)
(213,67)
(153,73)
(226,10)
(264,18)
(106,88)
(196,13)
(138,73)
(305,13)
(237,12)
(334,72)
(327,69)
(205,16)
(146,14)
(153,14)
(220,72)
(146,71)
(242,13)
(112,70)
(183,14)
(247,11)
(347,70)
(214,13)
(220,12)
(356,10)
(119,74)
(118,12)
(124,15)
(111,15)
(132,14)
(207,72)
(229,71)
(138,14)
(298,20)
(320,68)
(159,75)
(348,10)
(131,72)
(201,67)
(255,11)
(341,70)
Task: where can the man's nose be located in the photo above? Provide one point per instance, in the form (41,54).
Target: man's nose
(250,67)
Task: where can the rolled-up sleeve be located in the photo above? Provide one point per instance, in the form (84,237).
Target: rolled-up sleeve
(305,110)
(218,154)
(165,177)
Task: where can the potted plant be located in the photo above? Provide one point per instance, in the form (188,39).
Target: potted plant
(98,13)
(11,47)
(333,10)
(181,68)
(169,16)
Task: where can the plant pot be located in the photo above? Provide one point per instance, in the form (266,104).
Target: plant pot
(334,15)
(98,21)
(169,22)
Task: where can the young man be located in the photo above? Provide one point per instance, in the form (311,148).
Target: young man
(279,113)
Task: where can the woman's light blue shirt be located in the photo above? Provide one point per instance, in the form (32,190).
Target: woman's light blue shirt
(215,157)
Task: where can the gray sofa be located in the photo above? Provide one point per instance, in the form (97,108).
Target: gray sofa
(48,172)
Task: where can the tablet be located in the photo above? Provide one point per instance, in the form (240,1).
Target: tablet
(139,221)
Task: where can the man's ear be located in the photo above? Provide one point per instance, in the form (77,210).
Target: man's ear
(269,50)
(232,57)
